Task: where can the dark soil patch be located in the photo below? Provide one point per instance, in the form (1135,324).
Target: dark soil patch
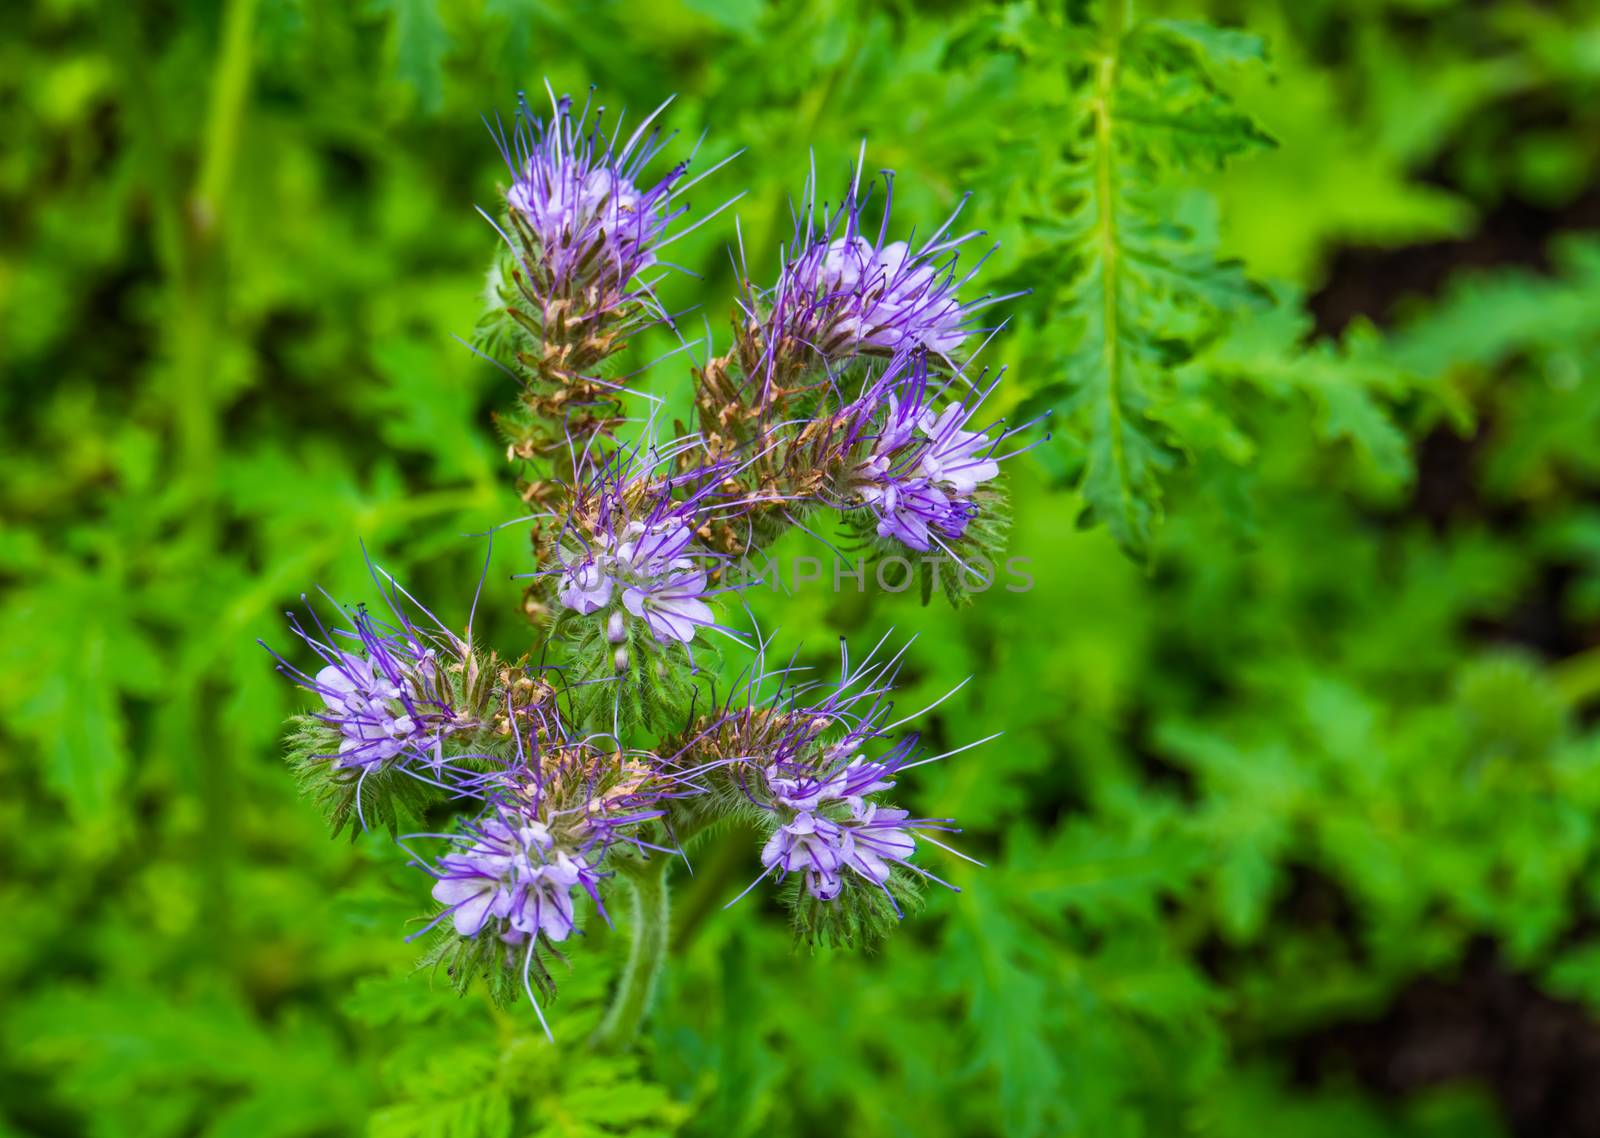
(1374,283)
(1538,1056)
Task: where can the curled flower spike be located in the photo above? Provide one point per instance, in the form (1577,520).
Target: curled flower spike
(383,689)
(629,546)
(582,227)
(400,704)
(800,764)
(556,808)
(580,195)
(925,464)
(510,879)
(841,293)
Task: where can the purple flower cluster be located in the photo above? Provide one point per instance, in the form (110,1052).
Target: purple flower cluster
(552,815)
(382,690)
(511,870)
(842,294)
(896,309)
(553,811)
(581,195)
(891,300)
(819,796)
(628,547)
(925,465)
(828,825)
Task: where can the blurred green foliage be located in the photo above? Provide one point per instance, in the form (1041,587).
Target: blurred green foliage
(1324,733)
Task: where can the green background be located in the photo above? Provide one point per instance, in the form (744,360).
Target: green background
(1292,828)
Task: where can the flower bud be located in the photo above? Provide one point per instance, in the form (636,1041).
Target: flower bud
(616,632)
(620,660)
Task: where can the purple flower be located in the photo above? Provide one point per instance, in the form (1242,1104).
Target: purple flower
(663,588)
(513,873)
(827,821)
(954,457)
(631,542)
(554,813)
(671,605)
(580,194)
(368,706)
(892,301)
(657,585)
(556,809)
(827,825)
(383,690)
(913,511)
(925,464)
(841,293)
(868,841)
(811,844)
(586,586)
(858,777)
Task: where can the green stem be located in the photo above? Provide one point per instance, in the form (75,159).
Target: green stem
(189,224)
(199,311)
(652,915)
(709,891)
(1105,192)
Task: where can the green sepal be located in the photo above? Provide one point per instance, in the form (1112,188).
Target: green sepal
(656,685)
(388,796)
(497,334)
(489,959)
(861,916)
(967,567)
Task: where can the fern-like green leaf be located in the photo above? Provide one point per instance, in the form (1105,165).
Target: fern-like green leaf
(1141,278)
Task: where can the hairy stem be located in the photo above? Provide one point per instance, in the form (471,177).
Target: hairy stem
(651,918)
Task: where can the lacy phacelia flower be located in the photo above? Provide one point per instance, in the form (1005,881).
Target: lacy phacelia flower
(579,194)
(557,808)
(366,701)
(382,690)
(586,585)
(841,293)
(646,567)
(924,465)
(827,823)
(661,586)
(829,830)
(890,300)
(914,511)
(631,543)
(512,872)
